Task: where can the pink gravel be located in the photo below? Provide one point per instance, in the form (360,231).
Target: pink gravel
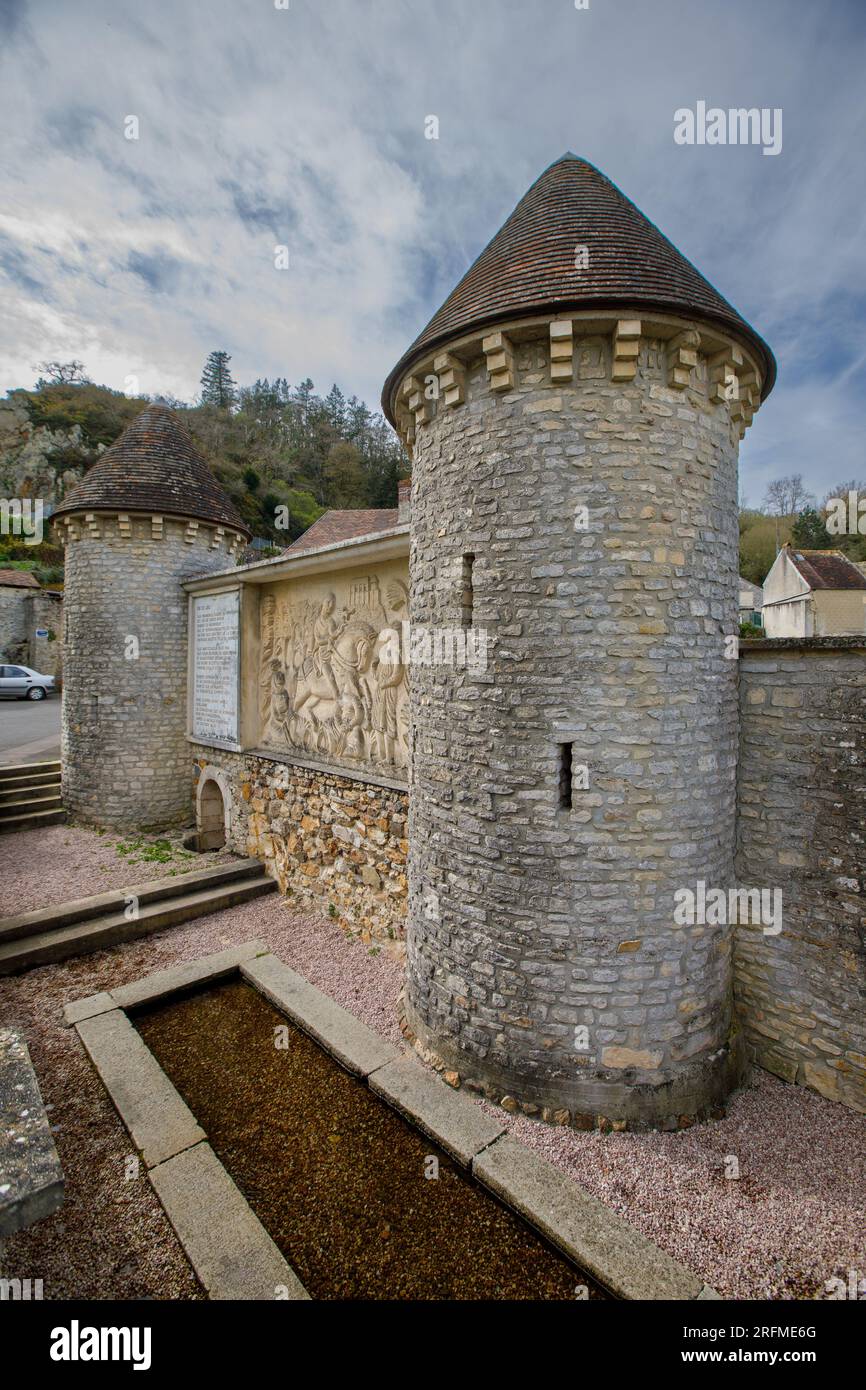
(795,1217)
(39,868)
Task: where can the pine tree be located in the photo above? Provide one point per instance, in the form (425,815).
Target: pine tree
(810,531)
(217,386)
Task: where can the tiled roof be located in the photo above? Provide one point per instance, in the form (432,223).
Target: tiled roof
(154,467)
(827,569)
(18,579)
(346,525)
(529,267)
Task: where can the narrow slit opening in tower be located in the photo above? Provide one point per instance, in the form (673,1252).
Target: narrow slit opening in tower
(467,600)
(565,753)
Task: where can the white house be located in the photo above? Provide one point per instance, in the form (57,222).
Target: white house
(751,602)
(814,593)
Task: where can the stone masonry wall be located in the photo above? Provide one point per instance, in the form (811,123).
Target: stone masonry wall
(123,743)
(46,614)
(801,994)
(529,922)
(327,839)
(14,624)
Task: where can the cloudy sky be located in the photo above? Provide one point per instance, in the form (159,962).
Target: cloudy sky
(305,126)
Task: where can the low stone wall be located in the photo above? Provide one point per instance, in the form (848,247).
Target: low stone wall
(326,838)
(14,621)
(802,828)
(46,615)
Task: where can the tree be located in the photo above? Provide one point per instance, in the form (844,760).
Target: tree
(62,374)
(786,496)
(809,531)
(217,386)
(344,475)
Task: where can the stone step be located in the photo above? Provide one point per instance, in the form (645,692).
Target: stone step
(40,799)
(37,779)
(33,820)
(113,928)
(34,771)
(48,919)
(12,791)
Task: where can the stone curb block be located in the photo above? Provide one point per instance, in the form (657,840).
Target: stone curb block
(354,1045)
(207,970)
(93,1004)
(160,1123)
(449,1118)
(29,1164)
(164,982)
(598,1240)
(226,1244)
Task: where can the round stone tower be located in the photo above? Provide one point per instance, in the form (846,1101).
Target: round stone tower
(148,515)
(574,411)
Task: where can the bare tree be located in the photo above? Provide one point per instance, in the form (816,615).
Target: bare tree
(62,374)
(787,496)
(841,490)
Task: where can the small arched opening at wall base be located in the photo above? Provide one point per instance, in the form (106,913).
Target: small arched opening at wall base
(213,814)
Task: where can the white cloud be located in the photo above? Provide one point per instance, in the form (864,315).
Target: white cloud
(305,127)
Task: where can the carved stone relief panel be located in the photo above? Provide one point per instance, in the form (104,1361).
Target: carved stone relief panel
(331,685)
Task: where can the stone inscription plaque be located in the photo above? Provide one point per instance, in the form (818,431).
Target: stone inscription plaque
(215,668)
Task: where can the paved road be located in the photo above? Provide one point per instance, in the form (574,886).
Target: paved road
(29,730)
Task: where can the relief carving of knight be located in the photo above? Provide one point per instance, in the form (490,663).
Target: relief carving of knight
(331,684)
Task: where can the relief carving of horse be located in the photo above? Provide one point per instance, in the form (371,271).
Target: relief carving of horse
(350,656)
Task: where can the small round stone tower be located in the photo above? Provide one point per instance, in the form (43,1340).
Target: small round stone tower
(148,515)
(574,411)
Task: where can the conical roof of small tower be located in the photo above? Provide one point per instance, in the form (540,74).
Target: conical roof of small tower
(529,268)
(154,467)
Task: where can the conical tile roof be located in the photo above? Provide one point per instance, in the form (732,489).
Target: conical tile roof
(154,467)
(529,267)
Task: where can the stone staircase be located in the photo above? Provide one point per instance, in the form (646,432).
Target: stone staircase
(90,924)
(30,796)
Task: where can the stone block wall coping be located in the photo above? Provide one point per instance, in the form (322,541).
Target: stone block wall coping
(224,1241)
(361,550)
(801,644)
(350,774)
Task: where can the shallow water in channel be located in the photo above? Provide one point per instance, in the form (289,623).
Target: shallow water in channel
(336,1176)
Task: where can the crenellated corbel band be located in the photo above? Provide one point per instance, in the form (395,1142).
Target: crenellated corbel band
(682,358)
(626,349)
(452,378)
(499,351)
(561,350)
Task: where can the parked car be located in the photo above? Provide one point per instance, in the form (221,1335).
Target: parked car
(20,683)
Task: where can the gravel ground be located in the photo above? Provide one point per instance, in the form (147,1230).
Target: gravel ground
(795,1217)
(39,868)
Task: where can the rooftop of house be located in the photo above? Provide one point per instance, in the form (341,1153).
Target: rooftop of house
(154,467)
(529,268)
(827,569)
(18,579)
(345,525)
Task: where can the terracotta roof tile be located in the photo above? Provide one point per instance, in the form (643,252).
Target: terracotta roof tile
(529,268)
(154,467)
(827,569)
(18,579)
(345,525)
